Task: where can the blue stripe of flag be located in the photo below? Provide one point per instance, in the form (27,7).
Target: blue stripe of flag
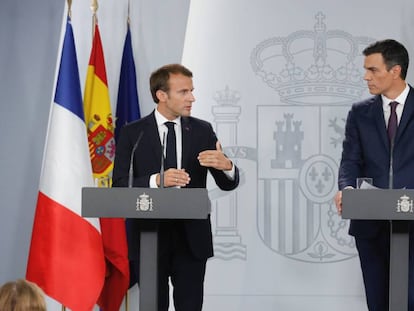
(68,91)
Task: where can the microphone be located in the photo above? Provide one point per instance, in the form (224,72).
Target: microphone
(131,161)
(162,162)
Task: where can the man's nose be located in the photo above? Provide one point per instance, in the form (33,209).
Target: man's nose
(192,98)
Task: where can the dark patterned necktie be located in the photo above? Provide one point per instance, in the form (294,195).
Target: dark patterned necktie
(171,152)
(392,121)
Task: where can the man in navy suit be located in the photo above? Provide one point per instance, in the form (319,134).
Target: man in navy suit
(366,153)
(184,245)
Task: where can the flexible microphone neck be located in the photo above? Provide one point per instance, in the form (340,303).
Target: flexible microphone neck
(391,169)
(131,161)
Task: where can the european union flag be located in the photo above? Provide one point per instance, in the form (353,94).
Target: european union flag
(127,108)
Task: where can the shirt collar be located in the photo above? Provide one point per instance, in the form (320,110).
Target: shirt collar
(400,98)
(160,119)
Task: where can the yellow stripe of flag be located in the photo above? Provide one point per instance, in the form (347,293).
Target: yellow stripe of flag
(98,113)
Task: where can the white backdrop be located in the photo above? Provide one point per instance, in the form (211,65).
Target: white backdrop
(277,78)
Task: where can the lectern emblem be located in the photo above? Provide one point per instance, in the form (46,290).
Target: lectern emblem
(405,205)
(144,203)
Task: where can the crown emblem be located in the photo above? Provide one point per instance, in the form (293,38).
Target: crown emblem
(227,97)
(405,204)
(319,65)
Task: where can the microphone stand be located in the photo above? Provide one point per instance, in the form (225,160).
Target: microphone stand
(131,161)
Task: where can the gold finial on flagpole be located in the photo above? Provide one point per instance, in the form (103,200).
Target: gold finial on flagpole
(69,8)
(94,8)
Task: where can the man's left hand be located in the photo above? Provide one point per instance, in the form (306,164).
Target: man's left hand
(215,159)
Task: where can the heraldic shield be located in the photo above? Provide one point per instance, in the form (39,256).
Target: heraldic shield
(297,176)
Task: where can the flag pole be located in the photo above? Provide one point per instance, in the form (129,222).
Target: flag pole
(69,2)
(94,8)
(126,294)
(128,15)
(126,301)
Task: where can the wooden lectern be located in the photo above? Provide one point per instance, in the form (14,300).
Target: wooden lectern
(395,205)
(150,204)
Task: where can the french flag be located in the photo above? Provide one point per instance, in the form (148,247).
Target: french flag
(66,257)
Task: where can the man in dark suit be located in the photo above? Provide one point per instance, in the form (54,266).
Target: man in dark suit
(366,153)
(184,245)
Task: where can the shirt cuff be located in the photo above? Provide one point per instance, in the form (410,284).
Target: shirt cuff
(153,181)
(231,173)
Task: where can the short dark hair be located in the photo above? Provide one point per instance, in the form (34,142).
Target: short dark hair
(160,77)
(393,52)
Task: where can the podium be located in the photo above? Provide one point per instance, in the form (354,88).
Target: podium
(149,204)
(395,205)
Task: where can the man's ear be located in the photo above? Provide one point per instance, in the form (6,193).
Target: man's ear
(396,70)
(161,95)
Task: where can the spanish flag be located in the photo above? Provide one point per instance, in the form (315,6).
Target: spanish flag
(98,113)
(100,127)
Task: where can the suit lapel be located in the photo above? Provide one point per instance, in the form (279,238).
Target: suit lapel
(407,115)
(378,115)
(154,137)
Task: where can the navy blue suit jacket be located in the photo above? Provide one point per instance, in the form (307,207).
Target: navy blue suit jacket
(366,153)
(197,136)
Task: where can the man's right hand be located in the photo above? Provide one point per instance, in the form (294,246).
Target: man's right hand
(338,202)
(174,178)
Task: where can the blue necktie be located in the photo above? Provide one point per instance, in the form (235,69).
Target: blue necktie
(171,152)
(392,122)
